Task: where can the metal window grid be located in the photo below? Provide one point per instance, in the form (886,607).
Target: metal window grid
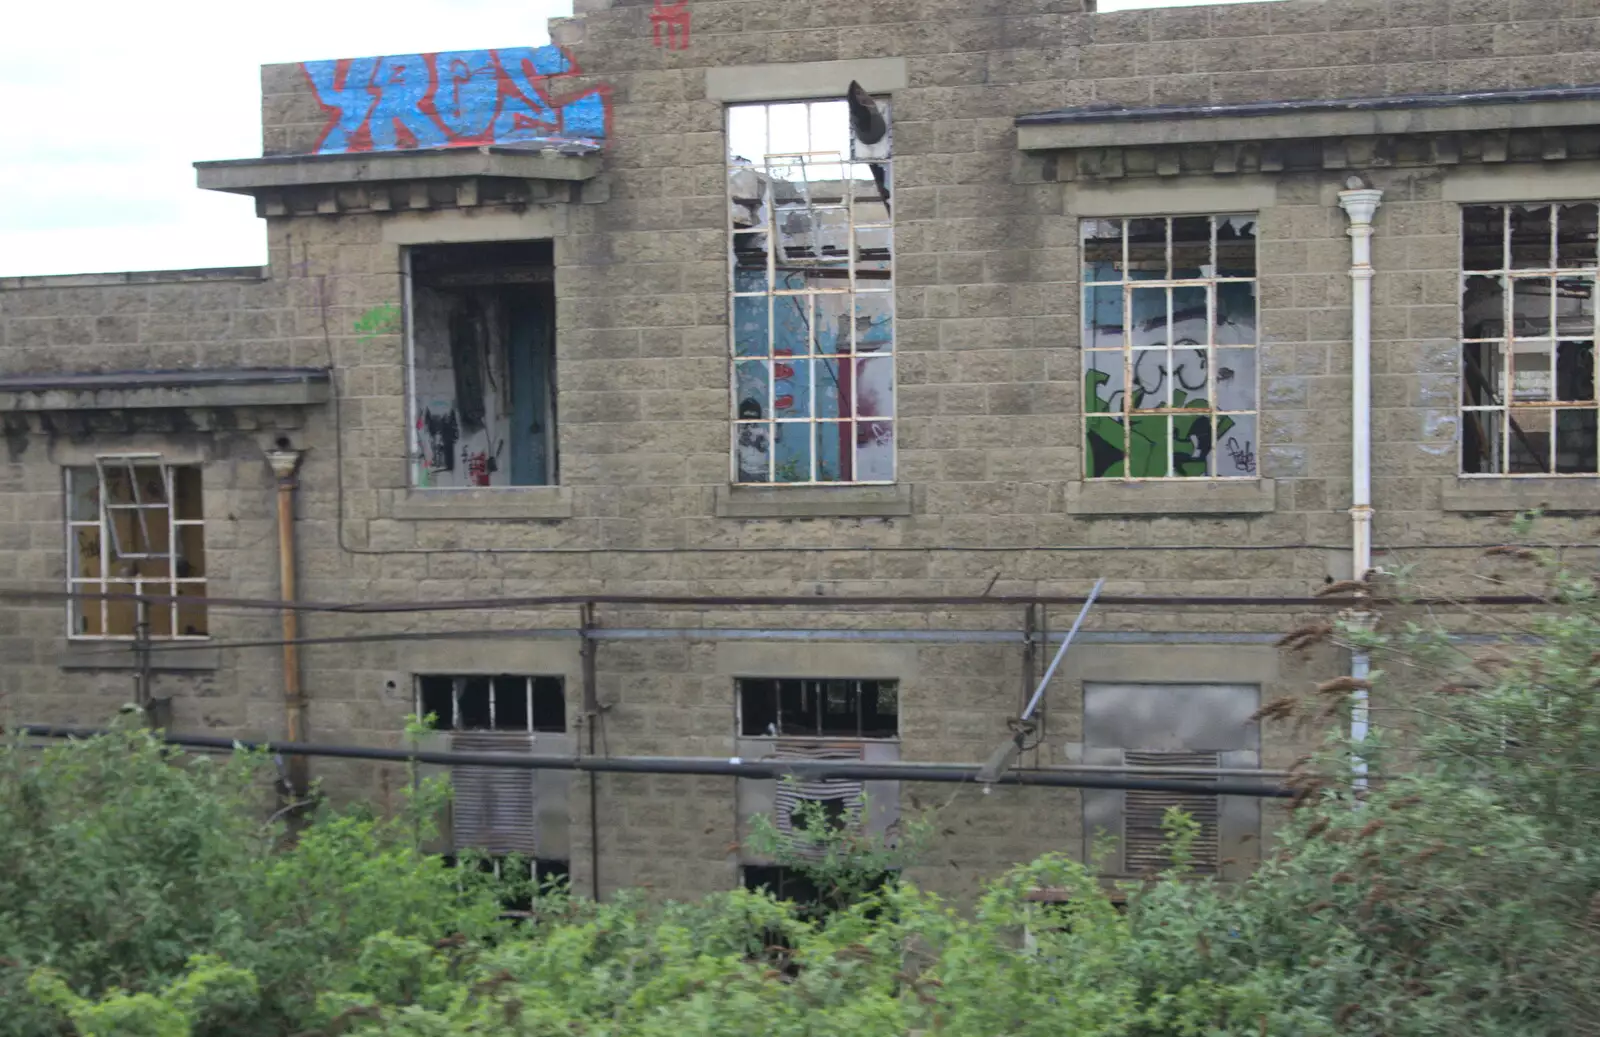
(1523,404)
(162,513)
(456,686)
(863,272)
(1231,453)
(818,687)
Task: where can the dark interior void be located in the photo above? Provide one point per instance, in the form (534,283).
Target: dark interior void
(828,708)
(483,369)
(811,901)
(502,703)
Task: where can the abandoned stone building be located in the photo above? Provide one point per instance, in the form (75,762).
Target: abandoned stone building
(833,299)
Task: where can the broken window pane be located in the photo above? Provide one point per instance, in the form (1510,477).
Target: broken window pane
(549,704)
(1191,248)
(1483,308)
(1529,446)
(1102,250)
(751,388)
(1482,442)
(1236,314)
(1483,229)
(750,262)
(1190,314)
(1575,442)
(1530,375)
(1236,246)
(1531,244)
(483,377)
(810,708)
(1147,250)
(1483,374)
(1575,371)
(827,174)
(1575,236)
(1531,306)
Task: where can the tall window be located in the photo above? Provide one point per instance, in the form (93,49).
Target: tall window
(812,333)
(1528,402)
(135,526)
(1169,347)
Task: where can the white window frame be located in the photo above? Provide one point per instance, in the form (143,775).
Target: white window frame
(855,361)
(171,585)
(1243,452)
(1506,343)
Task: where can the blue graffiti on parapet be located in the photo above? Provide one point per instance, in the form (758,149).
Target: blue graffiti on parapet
(456,99)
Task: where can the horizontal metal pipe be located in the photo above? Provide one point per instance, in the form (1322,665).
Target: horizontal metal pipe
(737,601)
(734,767)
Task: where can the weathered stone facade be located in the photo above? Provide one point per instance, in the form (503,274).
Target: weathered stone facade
(990,494)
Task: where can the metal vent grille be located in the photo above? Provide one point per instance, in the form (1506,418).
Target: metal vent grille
(841,798)
(1144,843)
(495,808)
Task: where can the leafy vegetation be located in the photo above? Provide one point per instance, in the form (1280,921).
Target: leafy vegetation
(1459,895)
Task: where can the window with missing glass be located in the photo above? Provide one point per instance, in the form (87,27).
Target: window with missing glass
(1170,347)
(135,526)
(818,708)
(812,329)
(1528,400)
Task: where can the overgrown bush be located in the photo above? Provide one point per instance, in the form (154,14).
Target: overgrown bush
(1460,894)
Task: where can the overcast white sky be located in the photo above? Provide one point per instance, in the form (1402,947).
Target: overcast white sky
(106,104)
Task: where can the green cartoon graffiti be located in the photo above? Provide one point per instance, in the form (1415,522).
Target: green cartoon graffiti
(1144,456)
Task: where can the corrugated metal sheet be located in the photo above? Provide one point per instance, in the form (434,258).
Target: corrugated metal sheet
(495,808)
(1144,842)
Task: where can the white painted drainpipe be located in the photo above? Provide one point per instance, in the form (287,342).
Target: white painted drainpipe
(1360,204)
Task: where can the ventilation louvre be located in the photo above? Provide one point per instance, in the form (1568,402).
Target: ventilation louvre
(846,794)
(495,809)
(1144,843)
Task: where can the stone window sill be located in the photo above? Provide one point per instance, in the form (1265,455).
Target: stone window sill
(1508,495)
(1172,497)
(508,504)
(119,655)
(813,501)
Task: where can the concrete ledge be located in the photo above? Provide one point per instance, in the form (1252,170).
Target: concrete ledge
(511,503)
(249,175)
(813,501)
(1506,495)
(119,390)
(201,274)
(802,80)
(112,655)
(1172,497)
(1301,120)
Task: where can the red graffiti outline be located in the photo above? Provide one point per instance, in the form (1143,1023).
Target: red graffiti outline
(674,18)
(506,87)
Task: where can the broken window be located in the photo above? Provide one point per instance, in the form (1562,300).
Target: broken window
(1169,347)
(818,708)
(519,879)
(483,377)
(1528,402)
(135,526)
(812,273)
(500,703)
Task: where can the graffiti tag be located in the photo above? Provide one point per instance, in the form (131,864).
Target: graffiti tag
(669,24)
(455,99)
(380,320)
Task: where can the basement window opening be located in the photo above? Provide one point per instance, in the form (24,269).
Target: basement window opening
(812,273)
(520,879)
(135,526)
(1528,396)
(855,709)
(481,321)
(1169,347)
(494,703)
